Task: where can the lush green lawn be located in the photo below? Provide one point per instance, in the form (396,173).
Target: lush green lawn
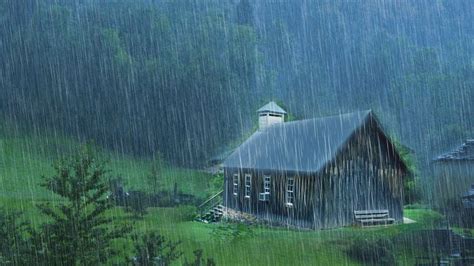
(233,244)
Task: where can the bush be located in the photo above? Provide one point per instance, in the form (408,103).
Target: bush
(413,194)
(186,212)
(154,249)
(232,232)
(199,260)
(372,251)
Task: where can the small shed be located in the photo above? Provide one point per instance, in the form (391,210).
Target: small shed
(316,173)
(453,173)
(468,198)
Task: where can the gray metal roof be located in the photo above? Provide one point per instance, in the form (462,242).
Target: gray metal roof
(300,146)
(271,107)
(469,193)
(465,152)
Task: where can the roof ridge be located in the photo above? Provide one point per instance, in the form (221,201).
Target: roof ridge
(368,111)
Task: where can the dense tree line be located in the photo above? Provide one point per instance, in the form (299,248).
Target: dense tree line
(135,75)
(185,77)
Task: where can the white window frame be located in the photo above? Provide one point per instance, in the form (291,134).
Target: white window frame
(235,184)
(267,184)
(290,191)
(248,185)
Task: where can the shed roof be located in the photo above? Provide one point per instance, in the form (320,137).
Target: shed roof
(465,152)
(271,107)
(469,193)
(301,146)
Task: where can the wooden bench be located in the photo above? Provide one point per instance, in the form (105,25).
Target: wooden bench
(373,217)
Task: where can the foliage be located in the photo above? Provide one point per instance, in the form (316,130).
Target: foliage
(199,260)
(137,203)
(153,249)
(216,183)
(155,175)
(79,232)
(372,251)
(412,191)
(289,115)
(232,232)
(13,245)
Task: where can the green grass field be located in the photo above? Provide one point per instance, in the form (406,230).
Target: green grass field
(233,244)
(24,159)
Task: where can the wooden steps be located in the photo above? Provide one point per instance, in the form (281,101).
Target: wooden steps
(373,217)
(213,215)
(211,210)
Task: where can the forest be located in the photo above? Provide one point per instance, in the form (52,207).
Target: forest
(135,75)
(174,83)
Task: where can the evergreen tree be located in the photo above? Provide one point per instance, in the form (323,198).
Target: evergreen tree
(13,245)
(153,178)
(79,233)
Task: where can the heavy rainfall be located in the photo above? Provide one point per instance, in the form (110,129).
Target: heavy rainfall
(236,132)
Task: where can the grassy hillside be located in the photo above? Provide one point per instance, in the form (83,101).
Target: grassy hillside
(25,158)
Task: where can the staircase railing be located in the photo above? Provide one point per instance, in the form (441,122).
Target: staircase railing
(211,202)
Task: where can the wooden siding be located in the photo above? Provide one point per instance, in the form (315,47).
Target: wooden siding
(274,210)
(451,179)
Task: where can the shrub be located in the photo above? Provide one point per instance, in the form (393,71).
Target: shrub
(372,251)
(153,249)
(232,231)
(199,260)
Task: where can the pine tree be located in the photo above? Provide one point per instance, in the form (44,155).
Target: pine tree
(154,177)
(79,232)
(13,244)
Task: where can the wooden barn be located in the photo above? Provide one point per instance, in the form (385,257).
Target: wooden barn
(453,174)
(316,173)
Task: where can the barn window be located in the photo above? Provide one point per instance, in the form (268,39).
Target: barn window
(265,196)
(235,184)
(290,194)
(266,184)
(248,185)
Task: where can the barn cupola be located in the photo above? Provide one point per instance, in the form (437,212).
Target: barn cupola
(270,114)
